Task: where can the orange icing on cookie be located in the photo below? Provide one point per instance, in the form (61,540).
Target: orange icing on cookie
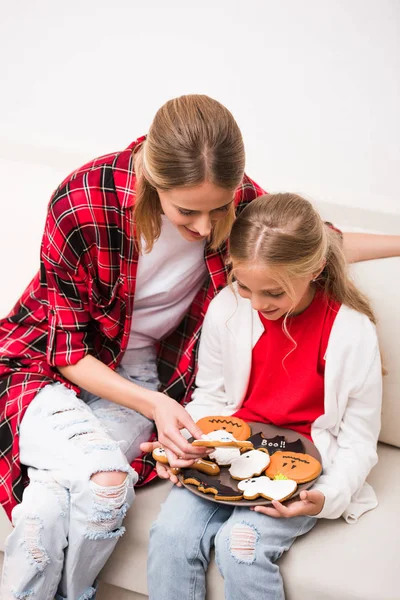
(294,465)
(237,427)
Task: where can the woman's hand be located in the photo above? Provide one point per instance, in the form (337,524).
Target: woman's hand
(170,417)
(311,503)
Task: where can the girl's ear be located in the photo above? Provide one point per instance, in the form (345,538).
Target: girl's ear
(318,273)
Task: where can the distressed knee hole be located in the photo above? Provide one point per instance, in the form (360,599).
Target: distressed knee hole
(32,543)
(109,478)
(242,542)
(109,507)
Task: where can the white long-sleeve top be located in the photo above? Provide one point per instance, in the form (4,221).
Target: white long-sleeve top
(346,434)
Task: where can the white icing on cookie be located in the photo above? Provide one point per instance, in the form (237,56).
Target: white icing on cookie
(248,464)
(225,456)
(219,435)
(271,489)
(160,452)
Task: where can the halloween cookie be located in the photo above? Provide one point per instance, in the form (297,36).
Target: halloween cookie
(294,465)
(211,486)
(225,456)
(160,455)
(270,489)
(201,465)
(221,439)
(249,464)
(276,443)
(237,427)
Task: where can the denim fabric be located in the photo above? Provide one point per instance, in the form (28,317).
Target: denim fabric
(67,525)
(247,546)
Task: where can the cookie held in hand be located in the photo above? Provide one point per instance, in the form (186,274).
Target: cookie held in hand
(221,439)
(237,427)
(201,465)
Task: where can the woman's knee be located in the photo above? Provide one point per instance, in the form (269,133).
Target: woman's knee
(109,478)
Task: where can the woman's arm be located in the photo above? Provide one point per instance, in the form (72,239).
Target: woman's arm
(95,377)
(368,246)
(66,278)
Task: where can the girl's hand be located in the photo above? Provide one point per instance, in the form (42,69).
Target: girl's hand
(170,417)
(163,471)
(311,503)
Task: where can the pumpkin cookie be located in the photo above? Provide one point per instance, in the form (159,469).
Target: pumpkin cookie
(237,427)
(294,465)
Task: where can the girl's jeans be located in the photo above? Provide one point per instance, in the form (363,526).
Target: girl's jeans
(67,525)
(247,546)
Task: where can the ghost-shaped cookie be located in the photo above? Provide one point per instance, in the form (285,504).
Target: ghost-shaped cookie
(249,464)
(270,489)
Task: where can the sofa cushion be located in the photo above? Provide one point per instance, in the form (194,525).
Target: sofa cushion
(335,560)
(378,280)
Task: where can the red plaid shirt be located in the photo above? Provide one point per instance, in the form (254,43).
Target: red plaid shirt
(81,302)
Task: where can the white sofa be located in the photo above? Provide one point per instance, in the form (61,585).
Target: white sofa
(336,561)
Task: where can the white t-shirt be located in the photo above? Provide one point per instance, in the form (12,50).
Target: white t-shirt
(168,278)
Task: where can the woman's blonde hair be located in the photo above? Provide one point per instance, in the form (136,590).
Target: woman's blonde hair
(192,139)
(286,233)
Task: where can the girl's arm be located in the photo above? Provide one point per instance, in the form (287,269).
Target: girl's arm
(357,442)
(368,246)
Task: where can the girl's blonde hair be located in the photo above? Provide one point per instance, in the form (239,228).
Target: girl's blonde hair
(192,139)
(286,233)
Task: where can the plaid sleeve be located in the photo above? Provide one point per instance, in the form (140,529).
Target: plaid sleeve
(67,285)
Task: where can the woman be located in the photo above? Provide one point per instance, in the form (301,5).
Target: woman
(132,254)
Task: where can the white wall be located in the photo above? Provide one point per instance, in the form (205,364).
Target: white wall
(314,85)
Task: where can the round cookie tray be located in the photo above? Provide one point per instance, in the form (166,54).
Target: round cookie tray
(269,431)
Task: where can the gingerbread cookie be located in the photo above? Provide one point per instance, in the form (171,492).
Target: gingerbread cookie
(201,465)
(237,427)
(221,439)
(249,464)
(294,465)
(160,455)
(276,443)
(270,489)
(211,486)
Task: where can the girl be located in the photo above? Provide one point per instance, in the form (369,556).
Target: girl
(133,252)
(292,343)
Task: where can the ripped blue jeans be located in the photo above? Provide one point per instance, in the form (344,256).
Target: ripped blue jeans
(247,547)
(67,524)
